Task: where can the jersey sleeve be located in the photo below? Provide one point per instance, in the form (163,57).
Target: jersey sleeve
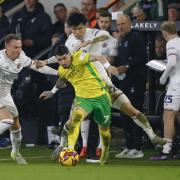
(70,44)
(81,58)
(171,48)
(113,46)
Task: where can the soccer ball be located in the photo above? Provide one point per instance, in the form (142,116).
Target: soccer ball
(68,157)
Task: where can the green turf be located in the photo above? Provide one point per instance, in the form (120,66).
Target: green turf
(41,167)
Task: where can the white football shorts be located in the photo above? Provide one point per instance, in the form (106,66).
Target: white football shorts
(172,98)
(8,102)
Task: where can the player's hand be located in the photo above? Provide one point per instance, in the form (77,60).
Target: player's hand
(112,70)
(39,63)
(162,80)
(122,69)
(46,95)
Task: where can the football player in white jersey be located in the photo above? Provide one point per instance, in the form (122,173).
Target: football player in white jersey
(172,97)
(12,61)
(90,40)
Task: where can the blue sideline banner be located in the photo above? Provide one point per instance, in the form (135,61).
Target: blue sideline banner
(145,25)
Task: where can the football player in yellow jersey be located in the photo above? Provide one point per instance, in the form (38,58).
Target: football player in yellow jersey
(91,95)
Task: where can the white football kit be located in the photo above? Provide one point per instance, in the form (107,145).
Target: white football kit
(172,98)
(110,47)
(118,98)
(8,72)
(95,48)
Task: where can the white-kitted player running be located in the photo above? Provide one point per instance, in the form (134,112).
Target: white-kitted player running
(12,61)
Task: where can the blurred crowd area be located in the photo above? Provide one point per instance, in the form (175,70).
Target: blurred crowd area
(40,36)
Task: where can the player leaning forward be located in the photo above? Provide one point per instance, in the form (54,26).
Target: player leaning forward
(12,61)
(91,93)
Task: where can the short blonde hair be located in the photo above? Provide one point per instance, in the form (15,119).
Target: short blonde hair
(169,27)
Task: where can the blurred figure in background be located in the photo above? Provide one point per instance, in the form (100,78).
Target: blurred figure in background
(174,12)
(34,25)
(60,12)
(4,26)
(131,60)
(88,8)
(117,6)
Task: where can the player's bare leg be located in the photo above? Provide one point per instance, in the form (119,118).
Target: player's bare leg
(122,103)
(169,129)
(8,123)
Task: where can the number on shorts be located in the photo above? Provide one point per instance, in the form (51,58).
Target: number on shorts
(106,118)
(168,99)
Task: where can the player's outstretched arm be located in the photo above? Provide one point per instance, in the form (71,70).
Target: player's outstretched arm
(44,69)
(93,41)
(60,83)
(41,63)
(112,70)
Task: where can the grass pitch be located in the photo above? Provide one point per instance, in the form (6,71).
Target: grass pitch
(41,167)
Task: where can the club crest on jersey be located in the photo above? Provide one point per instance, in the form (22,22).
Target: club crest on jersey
(104,45)
(82,56)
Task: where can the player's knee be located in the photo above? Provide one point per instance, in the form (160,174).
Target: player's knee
(120,101)
(5,124)
(78,115)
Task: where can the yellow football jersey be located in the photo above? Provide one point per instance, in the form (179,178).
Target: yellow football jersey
(83,75)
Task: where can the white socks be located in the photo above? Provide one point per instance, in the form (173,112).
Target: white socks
(146,127)
(100,142)
(150,133)
(16,138)
(167,147)
(85,131)
(5,124)
(63,141)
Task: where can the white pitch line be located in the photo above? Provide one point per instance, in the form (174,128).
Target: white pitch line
(30,157)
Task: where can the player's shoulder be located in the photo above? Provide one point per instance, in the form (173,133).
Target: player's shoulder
(3,55)
(71,41)
(70,37)
(96,32)
(173,43)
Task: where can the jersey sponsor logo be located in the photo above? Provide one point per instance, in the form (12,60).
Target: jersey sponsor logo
(73,72)
(7,76)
